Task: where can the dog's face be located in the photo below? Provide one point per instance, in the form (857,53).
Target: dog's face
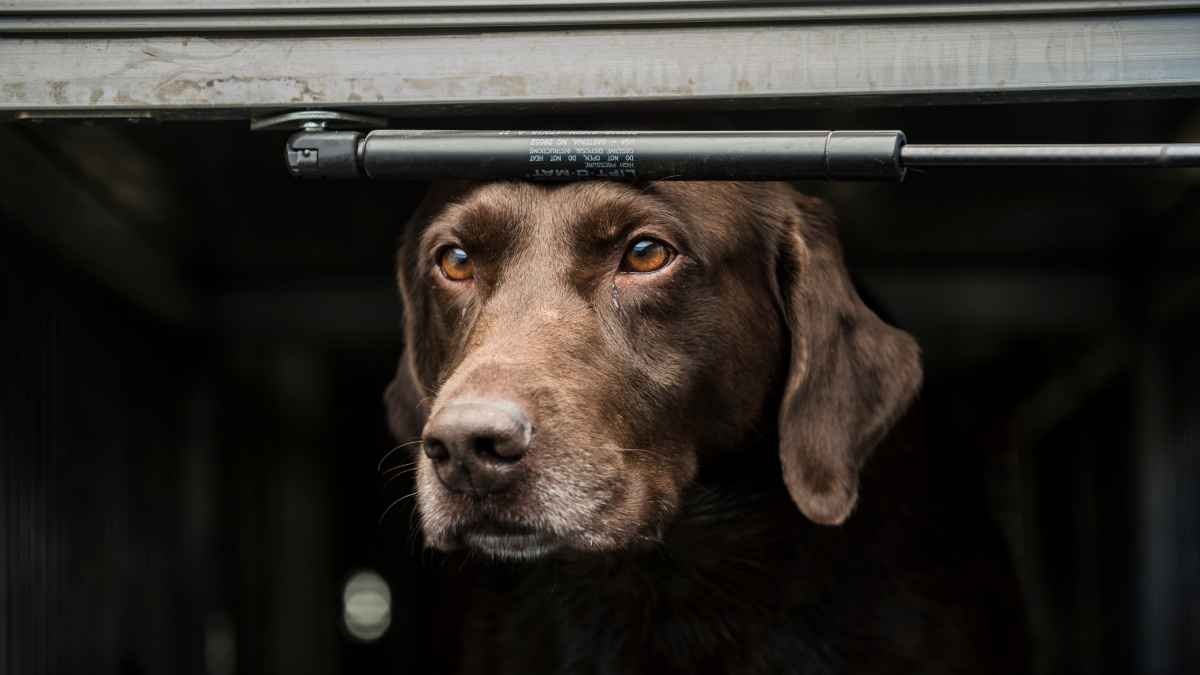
(576,351)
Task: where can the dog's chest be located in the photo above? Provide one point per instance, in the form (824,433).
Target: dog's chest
(686,607)
(657,625)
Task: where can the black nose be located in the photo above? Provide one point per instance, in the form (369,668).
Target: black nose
(474,446)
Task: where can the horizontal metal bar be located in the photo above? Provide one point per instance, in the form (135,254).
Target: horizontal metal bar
(1144,155)
(713,65)
(260,6)
(310,5)
(644,155)
(679,155)
(37,18)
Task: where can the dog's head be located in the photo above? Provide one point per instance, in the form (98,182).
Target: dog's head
(575,351)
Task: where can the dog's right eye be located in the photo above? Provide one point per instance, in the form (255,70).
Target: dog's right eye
(647,255)
(456,264)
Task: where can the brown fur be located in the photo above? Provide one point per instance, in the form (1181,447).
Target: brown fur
(638,387)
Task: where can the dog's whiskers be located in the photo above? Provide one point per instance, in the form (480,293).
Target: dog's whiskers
(389,453)
(389,508)
(389,481)
(398,466)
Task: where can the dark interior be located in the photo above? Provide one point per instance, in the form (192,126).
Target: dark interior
(196,345)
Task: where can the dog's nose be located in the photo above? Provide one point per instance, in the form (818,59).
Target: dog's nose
(474,446)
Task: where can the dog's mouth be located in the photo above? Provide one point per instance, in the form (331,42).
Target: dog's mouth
(506,541)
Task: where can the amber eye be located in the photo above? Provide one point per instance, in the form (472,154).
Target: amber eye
(457,264)
(646,255)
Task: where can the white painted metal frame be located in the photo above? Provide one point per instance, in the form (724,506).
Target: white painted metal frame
(957,59)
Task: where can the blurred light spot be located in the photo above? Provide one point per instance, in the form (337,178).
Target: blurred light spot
(368,606)
(220,646)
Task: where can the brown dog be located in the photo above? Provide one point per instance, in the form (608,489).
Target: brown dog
(613,385)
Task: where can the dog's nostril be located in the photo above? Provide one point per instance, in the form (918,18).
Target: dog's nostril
(436,450)
(486,447)
(498,450)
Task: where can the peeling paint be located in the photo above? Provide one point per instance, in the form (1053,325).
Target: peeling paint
(974,53)
(1056,55)
(58,91)
(15,91)
(1093,52)
(915,69)
(123,97)
(507,85)
(947,60)
(1002,57)
(850,67)
(881,69)
(178,89)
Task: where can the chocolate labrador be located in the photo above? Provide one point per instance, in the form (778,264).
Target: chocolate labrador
(672,439)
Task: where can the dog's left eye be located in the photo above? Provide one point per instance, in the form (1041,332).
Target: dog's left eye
(647,255)
(457,264)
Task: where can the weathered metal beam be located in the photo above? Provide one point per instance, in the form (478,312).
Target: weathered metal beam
(967,60)
(189,17)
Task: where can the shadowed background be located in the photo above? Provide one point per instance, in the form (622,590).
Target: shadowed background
(195,348)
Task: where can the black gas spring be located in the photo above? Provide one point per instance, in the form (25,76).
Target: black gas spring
(679,155)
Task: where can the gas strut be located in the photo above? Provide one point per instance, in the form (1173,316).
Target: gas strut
(679,155)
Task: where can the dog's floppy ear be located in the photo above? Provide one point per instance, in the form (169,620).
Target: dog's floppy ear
(851,375)
(407,409)
(407,397)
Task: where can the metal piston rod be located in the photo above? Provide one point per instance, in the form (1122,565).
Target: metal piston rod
(680,155)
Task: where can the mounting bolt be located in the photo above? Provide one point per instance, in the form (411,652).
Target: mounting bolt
(314,153)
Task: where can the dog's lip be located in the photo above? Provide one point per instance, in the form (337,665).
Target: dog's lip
(509,540)
(491,541)
(498,528)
